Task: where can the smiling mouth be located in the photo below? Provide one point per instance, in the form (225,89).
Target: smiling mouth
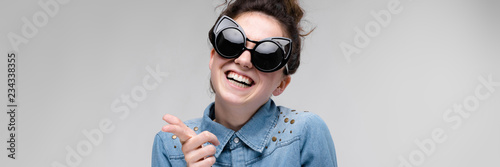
(239,80)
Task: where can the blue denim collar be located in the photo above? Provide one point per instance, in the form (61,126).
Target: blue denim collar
(255,133)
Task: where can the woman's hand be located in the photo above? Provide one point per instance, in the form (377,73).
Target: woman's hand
(194,153)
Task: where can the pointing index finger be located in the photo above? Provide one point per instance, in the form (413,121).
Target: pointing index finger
(178,128)
(172,120)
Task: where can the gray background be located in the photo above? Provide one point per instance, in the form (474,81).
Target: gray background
(395,91)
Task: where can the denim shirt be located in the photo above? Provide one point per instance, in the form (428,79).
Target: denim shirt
(274,136)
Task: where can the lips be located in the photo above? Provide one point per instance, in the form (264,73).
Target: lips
(239,80)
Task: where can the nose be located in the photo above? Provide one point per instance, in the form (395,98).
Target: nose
(244,60)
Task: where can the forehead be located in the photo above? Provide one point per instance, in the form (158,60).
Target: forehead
(258,26)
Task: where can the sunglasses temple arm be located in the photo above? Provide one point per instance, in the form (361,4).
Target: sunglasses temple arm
(286,68)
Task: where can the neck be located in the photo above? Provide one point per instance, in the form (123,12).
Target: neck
(234,116)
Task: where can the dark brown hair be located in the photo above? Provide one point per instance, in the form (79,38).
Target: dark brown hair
(287,12)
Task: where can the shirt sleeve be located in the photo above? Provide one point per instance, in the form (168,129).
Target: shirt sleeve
(159,157)
(317,147)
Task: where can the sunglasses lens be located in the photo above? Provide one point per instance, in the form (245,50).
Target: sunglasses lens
(267,56)
(230,42)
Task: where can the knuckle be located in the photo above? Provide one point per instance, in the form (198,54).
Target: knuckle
(210,160)
(187,131)
(205,134)
(189,158)
(184,150)
(211,150)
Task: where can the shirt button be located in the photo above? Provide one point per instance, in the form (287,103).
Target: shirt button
(236,140)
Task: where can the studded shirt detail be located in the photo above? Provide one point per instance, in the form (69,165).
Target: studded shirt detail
(262,141)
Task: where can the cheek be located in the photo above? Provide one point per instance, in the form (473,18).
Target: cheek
(217,62)
(272,80)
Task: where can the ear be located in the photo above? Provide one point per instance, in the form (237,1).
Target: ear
(212,54)
(282,86)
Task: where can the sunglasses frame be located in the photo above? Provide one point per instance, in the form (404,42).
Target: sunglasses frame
(281,42)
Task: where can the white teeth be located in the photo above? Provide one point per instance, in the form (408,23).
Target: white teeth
(239,78)
(238,84)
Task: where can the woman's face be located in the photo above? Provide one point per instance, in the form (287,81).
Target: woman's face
(236,81)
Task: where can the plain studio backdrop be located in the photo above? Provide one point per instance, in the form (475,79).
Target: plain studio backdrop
(399,83)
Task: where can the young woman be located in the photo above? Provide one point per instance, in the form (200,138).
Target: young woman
(256,47)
